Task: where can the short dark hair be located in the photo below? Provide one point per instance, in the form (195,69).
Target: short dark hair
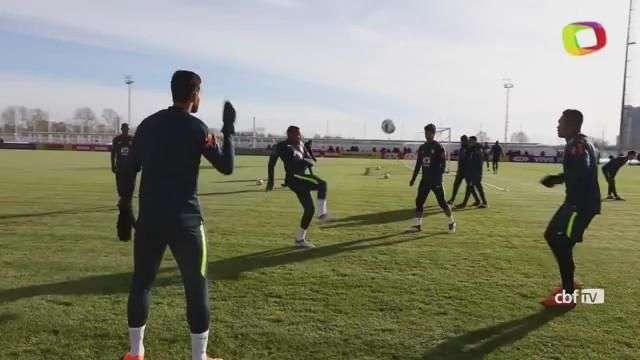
(464,138)
(183,84)
(292,128)
(631,153)
(574,117)
(124,125)
(473,138)
(430,128)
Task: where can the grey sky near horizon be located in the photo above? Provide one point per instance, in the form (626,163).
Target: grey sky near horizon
(353,63)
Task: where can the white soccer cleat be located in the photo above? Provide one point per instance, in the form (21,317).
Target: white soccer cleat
(323,217)
(452,228)
(304,244)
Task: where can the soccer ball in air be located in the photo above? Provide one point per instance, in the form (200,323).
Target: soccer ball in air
(388,126)
(259,182)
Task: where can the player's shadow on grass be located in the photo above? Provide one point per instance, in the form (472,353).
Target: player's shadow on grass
(230,192)
(232,268)
(5,318)
(61,212)
(477,344)
(225,269)
(383,217)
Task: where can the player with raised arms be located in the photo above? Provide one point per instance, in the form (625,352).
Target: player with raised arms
(431,160)
(167,147)
(298,161)
(581,203)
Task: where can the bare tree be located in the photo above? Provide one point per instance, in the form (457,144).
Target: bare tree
(111,119)
(519,137)
(599,143)
(86,118)
(38,120)
(482,136)
(14,118)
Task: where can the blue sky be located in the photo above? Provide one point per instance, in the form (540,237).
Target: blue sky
(351,64)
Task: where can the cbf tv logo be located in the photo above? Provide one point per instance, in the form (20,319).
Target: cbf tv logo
(584,296)
(574,37)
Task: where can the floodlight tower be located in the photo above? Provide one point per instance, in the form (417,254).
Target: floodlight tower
(508,85)
(621,142)
(129,81)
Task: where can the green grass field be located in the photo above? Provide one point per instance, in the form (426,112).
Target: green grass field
(369,291)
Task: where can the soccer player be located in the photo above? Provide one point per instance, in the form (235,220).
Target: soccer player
(432,160)
(167,147)
(581,203)
(298,162)
(473,174)
(120,158)
(496,153)
(486,150)
(610,170)
(464,143)
(121,146)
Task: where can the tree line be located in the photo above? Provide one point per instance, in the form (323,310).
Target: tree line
(17,118)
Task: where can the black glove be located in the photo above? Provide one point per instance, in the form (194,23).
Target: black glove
(228,119)
(126,220)
(551,180)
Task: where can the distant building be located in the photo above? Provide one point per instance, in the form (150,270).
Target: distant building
(630,136)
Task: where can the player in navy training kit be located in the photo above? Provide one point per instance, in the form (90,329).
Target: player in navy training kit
(167,147)
(496,153)
(432,161)
(610,170)
(581,203)
(121,167)
(460,173)
(298,161)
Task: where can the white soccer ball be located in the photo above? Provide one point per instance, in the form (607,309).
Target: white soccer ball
(259,182)
(388,126)
(387,175)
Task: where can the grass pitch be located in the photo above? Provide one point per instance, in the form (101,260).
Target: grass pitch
(369,291)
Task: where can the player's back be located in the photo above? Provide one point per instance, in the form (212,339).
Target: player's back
(168,146)
(615,164)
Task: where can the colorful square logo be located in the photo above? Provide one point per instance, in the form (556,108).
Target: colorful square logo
(572,44)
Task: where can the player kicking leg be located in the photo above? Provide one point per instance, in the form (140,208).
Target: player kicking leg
(298,161)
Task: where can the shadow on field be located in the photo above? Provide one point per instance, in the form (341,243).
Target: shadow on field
(225,269)
(61,212)
(230,269)
(4,318)
(383,217)
(229,192)
(477,344)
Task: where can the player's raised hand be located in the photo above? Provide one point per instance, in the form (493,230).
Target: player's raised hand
(228,119)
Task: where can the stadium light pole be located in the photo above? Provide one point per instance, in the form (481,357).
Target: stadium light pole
(129,81)
(508,85)
(624,77)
